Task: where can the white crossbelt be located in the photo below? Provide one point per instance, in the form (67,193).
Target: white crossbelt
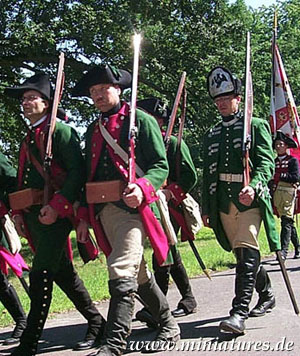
(230,177)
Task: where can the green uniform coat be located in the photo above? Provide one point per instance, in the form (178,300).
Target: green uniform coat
(218,158)
(181,185)
(49,241)
(8,184)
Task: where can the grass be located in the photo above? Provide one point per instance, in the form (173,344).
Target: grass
(95,277)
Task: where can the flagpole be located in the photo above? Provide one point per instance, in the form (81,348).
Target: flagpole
(272,108)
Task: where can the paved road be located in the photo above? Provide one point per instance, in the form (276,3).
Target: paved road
(277,333)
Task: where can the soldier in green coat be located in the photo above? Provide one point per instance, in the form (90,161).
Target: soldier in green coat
(8,295)
(182,178)
(235,211)
(123,221)
(47,227)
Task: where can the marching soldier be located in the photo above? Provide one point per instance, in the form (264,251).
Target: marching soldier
(120,216)
(285,183)
(175,191)
(47,227)
(233,211)
(8,294)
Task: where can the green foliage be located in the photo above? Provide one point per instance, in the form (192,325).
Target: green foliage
(178,35)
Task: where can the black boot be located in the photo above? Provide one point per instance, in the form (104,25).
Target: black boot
(40,290)
(295,242)
(266,301)
(248,261)
(145,316)
(187,304)
(120,312)
(11,302)
(162,275)
(68,280)
(285,235)
(159,308)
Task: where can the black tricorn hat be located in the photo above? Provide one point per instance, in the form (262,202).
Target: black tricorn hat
(280,136)
(220,82)
(155,107)
(102,75)
(39,82)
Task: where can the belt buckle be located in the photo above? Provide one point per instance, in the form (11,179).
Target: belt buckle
(229,177)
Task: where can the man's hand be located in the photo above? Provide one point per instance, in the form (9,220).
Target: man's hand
(48,215)
(19,224)
(168,194)
(247,195)
(205,219)
(82,231)
(133,195)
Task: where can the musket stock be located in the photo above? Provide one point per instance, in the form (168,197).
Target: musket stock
(174,109)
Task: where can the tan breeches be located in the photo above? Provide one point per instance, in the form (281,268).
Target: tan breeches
(242,228)
(284,199)
(126,235)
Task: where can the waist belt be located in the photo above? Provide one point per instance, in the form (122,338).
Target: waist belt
(230,177)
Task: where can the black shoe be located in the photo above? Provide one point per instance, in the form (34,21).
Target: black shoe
(235,324)
(11,341)
(178,312)
(91,341)
(23,351)
(145,316)
(297,255)
(16,334)
(263,306)
(85,345)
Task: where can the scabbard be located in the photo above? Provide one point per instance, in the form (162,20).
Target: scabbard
(287,282)
(199,259)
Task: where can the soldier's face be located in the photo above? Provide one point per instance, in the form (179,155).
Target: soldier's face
(280,147)
(228,104)
(33,105)
(105,96)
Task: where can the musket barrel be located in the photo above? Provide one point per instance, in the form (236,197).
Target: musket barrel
(132,128)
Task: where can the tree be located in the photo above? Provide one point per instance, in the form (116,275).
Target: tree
(178,35)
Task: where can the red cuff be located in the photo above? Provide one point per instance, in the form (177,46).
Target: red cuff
(3,209)
(16,212)
(83,214)
(178,193)
(147,189)
(61,205)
